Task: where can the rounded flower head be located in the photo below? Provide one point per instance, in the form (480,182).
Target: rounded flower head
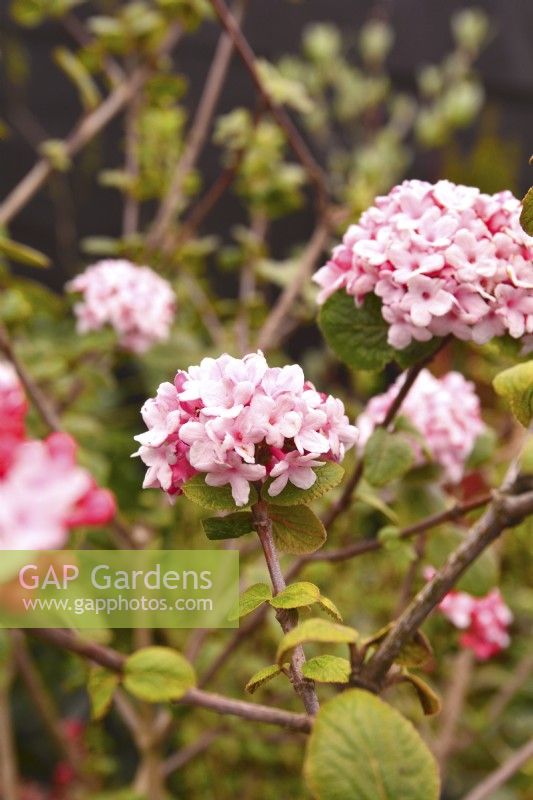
(444,259)
(239,421)
(137,303)
(13,409)
(483,620)
(446,412)
(44,493)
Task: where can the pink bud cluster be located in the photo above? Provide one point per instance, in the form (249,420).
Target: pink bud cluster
(239,421)
(443,258)
(446,412)
(43,492)
(483,620)
(137,303)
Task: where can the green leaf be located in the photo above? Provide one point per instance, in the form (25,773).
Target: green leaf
(101,687)
(330,608)
(402,550)
(262,676)
(416,351)
(327,669)
(429,700)
(250,599)
(23,254)
(79,75)
(358,336)
(483,450)
(296,595)
(387,456)
(296,529)
(229,527)
(158,674)
(215,498)
(315,630)
(367,495)
(327,477)
(526,217)
(417,652)
(362,749)
(516,386)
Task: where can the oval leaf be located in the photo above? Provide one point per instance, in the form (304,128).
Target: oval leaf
(516,386)
(215,498)
(429,700)
(330,608)
(23,254)
(327,477)
(358,336)
(101,687)
(526,216)
(362,749)
(158,674)
(387,456)
(262,676)
(315,630)
(296,529)
(229,527)
(250,599)
(296,595)
(327,669)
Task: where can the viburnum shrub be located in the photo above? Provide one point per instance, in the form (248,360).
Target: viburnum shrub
(239,422)
(379,491)
(137,303)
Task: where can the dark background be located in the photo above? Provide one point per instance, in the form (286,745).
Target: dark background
(274,28)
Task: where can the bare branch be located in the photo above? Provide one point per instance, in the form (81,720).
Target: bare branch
(505,511)
(499,777)
(197,135)
(300,148)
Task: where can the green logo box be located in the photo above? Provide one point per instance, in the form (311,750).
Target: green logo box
(92,589)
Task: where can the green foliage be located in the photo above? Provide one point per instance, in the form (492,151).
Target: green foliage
(253,597)
(101,688)
(22,253)
(327,477)
(158,674)
(516,386)
(262,676)
(387,456)
(315,630)
(361,748)
(296,529)
(429,700)
(327,669)
(417,652)
(358,336)
(232,526)
(296,595)
(215,498)
(526,217)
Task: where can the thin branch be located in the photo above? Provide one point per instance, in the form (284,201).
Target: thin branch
(270,334)
(486,789)
(287,619)
(345,499)
(131,210)
(453,707)
(300,148)
(197,135)
(182,757)
(114,661)
(505,511)
(43,701)
(40,402)
(89,126)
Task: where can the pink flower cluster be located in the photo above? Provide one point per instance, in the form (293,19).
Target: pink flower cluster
(239,421)
(446,411)
(444,259)
(137,303)
(483,620)
(43,493)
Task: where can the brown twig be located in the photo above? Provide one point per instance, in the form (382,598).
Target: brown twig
(271,333)
(453,705)
(287,619)
(114,661)
(197,135)
(300,148)
(8,759)
(505,511)
(491,784)
(89,126)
